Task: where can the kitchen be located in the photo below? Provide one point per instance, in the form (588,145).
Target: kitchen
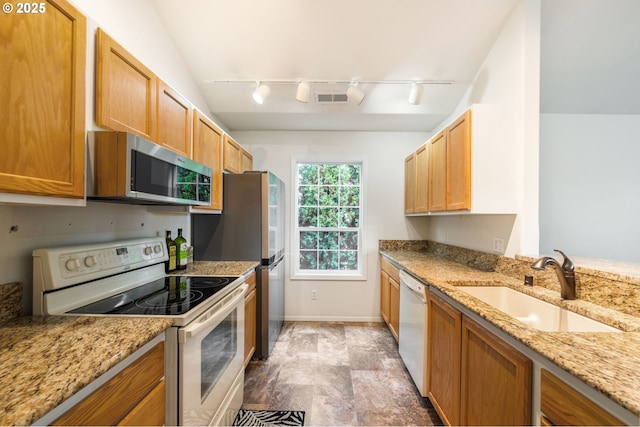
(503,79)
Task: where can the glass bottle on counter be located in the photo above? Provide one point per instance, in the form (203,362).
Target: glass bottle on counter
(181,251)
(171,264)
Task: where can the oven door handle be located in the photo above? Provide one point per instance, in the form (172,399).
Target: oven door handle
(214,315)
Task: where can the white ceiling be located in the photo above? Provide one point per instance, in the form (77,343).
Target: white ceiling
(333,40)
(590,59)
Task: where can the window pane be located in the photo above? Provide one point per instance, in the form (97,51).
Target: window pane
(329,174)
(308,217)
(328,240)
(348,260)
(349,217)
(328,217)
(308,174)
(328,260)
(308,239)
(308,260)
(308,195)
(349,240)
(350,196)
(350,174)
(329,196)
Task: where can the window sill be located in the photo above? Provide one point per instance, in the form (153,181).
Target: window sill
(329,276)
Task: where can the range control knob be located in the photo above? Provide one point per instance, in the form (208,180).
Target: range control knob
(90,261)
(148,250)
(157,249)
(72,264)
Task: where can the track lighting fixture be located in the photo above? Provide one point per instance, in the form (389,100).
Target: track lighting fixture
(302,94)
(415,95)
(261,93)
(355,95)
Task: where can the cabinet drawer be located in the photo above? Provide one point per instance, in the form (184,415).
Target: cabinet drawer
(120,395)
(392,271)
(150,411)
(563,405)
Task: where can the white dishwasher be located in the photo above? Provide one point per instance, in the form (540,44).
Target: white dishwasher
(412,339)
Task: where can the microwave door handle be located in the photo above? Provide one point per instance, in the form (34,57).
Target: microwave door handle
(213,315)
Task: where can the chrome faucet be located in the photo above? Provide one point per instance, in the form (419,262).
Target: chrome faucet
(566,274)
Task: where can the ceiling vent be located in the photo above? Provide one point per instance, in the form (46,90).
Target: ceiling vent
(331,98)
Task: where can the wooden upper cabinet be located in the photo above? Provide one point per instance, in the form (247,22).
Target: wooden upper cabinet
(174,120)
(42,81)
(125,90)
(438,173)
(246,160)
(409,183)
(421,203)
(232,151)
(207,149)
(459,163)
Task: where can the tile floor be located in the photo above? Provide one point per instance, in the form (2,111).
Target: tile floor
(347,374)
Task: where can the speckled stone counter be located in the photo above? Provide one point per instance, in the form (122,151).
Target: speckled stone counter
(45,360)
(219,268)
(608,362)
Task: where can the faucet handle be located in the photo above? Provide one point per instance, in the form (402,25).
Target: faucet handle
(567,264)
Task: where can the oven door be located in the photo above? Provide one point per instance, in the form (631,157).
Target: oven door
(211,350)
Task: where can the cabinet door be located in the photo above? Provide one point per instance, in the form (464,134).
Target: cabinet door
(246,161)
(563,405)
(250,307)
(125,90)
(232,150)
(42,82)
(174,120)
(207,149)
(493,375)
(409,183)
(459,163)
(444,348)
(385,296)
(394,307)
(438,173)
(421,204)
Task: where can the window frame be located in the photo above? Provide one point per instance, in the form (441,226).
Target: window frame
(295,272)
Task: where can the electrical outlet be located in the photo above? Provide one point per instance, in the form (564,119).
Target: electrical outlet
(314,294)
(498,245)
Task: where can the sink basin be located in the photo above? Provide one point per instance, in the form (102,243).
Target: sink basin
(534,312)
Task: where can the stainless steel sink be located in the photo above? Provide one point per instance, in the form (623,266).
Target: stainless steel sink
(534,312)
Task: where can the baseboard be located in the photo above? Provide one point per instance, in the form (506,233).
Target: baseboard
(374,319)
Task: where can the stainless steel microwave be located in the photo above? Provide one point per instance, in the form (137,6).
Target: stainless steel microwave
(128,168)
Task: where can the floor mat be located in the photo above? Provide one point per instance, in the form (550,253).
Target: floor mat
(247,417)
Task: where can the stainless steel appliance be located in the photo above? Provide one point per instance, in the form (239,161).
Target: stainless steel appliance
(250,228)
(204,350)
(412,337)
(128,168)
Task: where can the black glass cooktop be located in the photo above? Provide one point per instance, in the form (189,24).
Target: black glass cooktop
(170,295)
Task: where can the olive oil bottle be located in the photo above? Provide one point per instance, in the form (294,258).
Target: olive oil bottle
(171,264)
(181,251)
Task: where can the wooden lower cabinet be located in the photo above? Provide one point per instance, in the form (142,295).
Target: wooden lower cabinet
(135,396)
(250,320)
(562,405)
(390,296)
(495,380)
(444,348)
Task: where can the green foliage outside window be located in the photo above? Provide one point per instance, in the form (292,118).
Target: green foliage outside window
(328,215)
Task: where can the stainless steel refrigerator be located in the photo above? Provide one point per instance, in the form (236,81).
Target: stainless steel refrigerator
(250,228)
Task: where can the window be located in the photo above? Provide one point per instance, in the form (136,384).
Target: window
(328,220)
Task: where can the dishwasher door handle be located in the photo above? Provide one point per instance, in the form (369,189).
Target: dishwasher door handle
(413,285)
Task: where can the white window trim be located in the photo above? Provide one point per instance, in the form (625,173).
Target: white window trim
(295,273)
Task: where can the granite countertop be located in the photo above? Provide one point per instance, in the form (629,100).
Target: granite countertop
(45,360)
(607,361)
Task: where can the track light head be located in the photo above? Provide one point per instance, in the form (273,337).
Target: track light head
(261,93)
(415,95)
(302,94)
(355,95)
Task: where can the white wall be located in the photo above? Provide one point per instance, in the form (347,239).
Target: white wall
(383,154)
(135,25)
(589,175)
(508,77)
